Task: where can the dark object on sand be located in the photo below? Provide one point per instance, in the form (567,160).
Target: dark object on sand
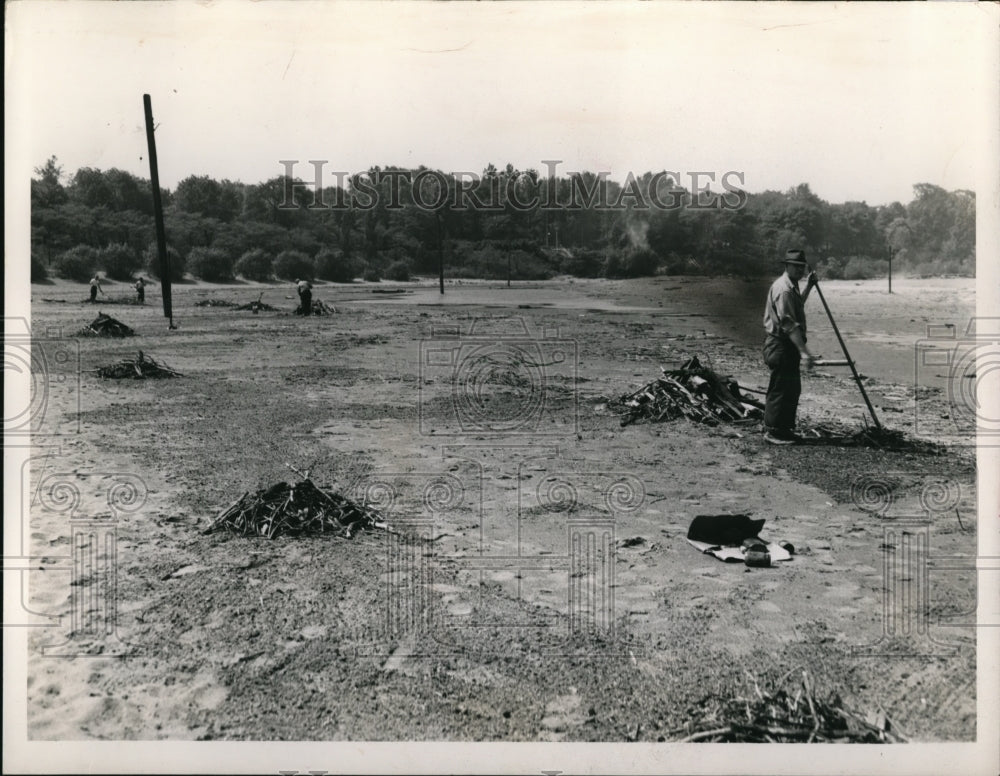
(316,307)
(295,510)
(693,391)
(214,303)
(724,529)
(257,306)
(139,368)
(106,326)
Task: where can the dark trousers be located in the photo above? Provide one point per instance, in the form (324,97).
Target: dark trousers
(305,302)
(785,386)
(93,293)
(142,296)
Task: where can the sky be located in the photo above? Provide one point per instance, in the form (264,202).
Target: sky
(861,101)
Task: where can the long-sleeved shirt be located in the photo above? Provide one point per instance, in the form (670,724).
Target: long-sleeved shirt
(785,311)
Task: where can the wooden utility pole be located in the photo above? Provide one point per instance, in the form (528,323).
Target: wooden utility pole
(161,237)
(440,235)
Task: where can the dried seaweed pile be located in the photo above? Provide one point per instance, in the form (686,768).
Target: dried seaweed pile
(214,303)
(295,510)
(785,717)
(106,326)
(257,306)
(693,391)
(878,438)
(141,368)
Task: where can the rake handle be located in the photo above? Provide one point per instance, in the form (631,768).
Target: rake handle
(847,356)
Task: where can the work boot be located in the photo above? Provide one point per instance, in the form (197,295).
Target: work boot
(777,438)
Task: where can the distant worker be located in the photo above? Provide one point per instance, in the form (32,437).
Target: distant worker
(305,297)
(140,290)
(95,286)
(784,347)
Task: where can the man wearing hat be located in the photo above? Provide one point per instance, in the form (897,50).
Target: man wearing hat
(784,347)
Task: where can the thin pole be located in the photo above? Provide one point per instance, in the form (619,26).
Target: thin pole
(440,236)
(161,237)
(890,268)
(843,346)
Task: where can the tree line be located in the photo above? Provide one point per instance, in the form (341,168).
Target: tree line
(378,225)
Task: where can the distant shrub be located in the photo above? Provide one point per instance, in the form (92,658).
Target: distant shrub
(255,265)
(399,270)
(858,268)
(582,263)
(640,263)
(39,273)
(77,263)
(334,265)
(613,265)
(210,264)
(175,260)
(294,265)
(831,269)
(119,261)
(372,273)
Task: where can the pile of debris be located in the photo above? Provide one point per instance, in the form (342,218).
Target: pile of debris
(782,717)
(106,326)
(139,368)
(693,391)
(295,510)
(257,306)
(317,308)
(214,303)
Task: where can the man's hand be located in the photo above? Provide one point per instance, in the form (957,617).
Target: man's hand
(809,361)
(811,280)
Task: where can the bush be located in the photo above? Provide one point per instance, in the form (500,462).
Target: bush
(582,263)
(831,269)
(372,273)
(334,265)
(640,263)
(119,261)
(77,263)
(39,273)
(210,264)
(294,265)
(255,265)
(858,268)
(176,261)
(398,270)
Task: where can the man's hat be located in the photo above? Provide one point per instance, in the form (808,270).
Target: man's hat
(795,256)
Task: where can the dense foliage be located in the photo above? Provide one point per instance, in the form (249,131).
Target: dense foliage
(387,223)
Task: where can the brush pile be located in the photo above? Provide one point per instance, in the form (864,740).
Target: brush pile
(296,510)
(106,326)
(141,368)
(214,303)
(318,308)
(692,391)
(257,306)
(785,718)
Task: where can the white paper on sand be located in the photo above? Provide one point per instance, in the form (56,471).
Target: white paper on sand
(737,554)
